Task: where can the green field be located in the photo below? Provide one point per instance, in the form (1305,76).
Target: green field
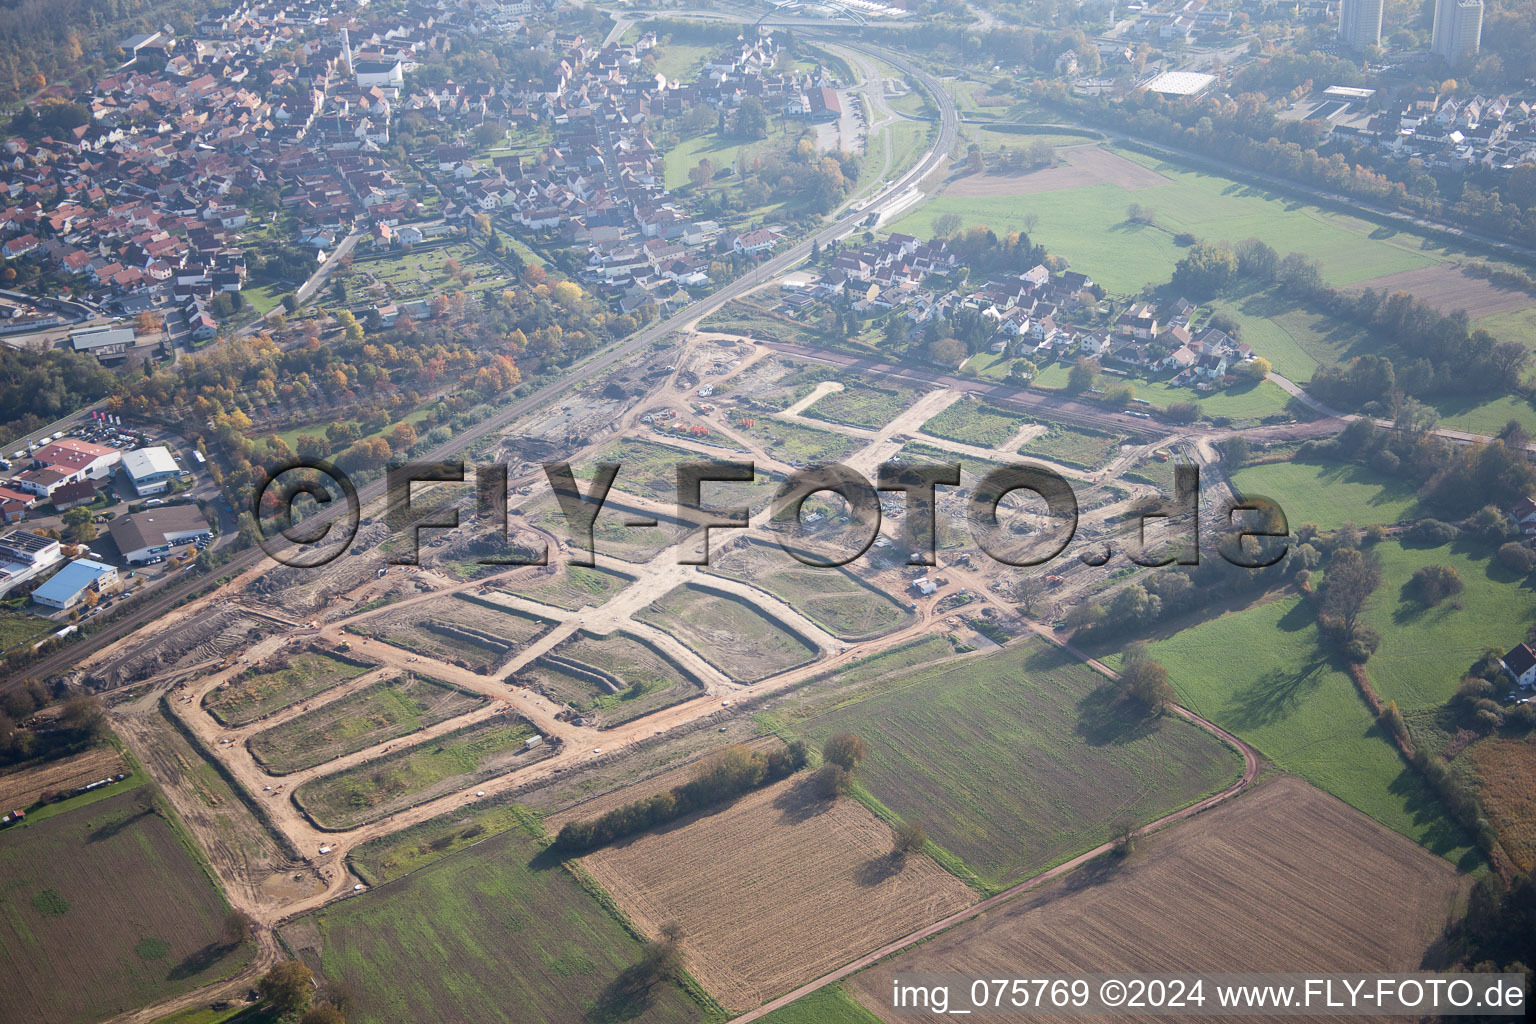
(1425,652)
(737,639)
(370,791)
(378,713)
(283,680)
(1262,674)
(115,886)
(648,469)
(499,933)
(975,423)
(1330,494)
(1239,402)
(1021,759)
(1089,227)
(682,60)
(830,1005)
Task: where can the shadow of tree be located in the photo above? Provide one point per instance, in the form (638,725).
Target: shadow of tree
(802,801)
(1275,694)
(879,869)
(200,961)
(625,998)
(112,828)
(1105,717)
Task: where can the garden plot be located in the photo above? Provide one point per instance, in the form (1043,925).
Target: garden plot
(1082,447)
(743,642)
(383,711)
(797,444)
(610,535)
(380,787)
(278,682)
(975,423)
(834,598)
(861,404)
(609,679)
(460,629)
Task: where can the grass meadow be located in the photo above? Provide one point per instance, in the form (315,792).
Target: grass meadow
(1263,674)
(1329,494)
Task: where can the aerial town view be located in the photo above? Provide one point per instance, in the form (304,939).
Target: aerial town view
(800,511)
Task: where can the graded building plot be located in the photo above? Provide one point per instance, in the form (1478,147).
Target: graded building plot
(1284,878)
(1330,494)
(975,423)
(104,909)
(1278,687)
(1020,759)
(1080,165)
(610,535)
(649,469)
(378,713)
(376,789)
(1081,447)
(609,679)
(279,681)
(861,404)
(743,642)
(833,598)
(500,932)
(459,628)
(573,586)
(798,444)
(775,889)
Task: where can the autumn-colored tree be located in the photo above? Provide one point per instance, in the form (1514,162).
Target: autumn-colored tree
(288,988)
(911,836)
(844,749)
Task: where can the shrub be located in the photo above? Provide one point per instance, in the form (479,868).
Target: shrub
(1516,557)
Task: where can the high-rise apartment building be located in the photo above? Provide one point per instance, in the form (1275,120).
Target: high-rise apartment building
(1458,30)
(1360,23)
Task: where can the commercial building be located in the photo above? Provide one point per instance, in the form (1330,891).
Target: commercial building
(66,462)
(1458,31)
(145,536)
(151,470)
(1360,23)
(23,556)
(73,582)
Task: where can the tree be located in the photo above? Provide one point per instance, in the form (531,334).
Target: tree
(1236,451)
(946,225)
(1516,557)
(702,173)
(1027,591)
(751,119)
(1205,270)
(911,836)
(845,750)
(1145,680)
(833,780)
(289,987)
(1431,584)
(1255,369)
(947,352)
(1351,580)
(1083,375)
(324,1013)
(1022,370)
(237,927)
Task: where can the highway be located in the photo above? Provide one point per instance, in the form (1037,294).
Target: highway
(949,125)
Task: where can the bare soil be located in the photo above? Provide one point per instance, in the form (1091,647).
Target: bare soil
(1286,878)
(1085,165)
(775,889)
(1449,289)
